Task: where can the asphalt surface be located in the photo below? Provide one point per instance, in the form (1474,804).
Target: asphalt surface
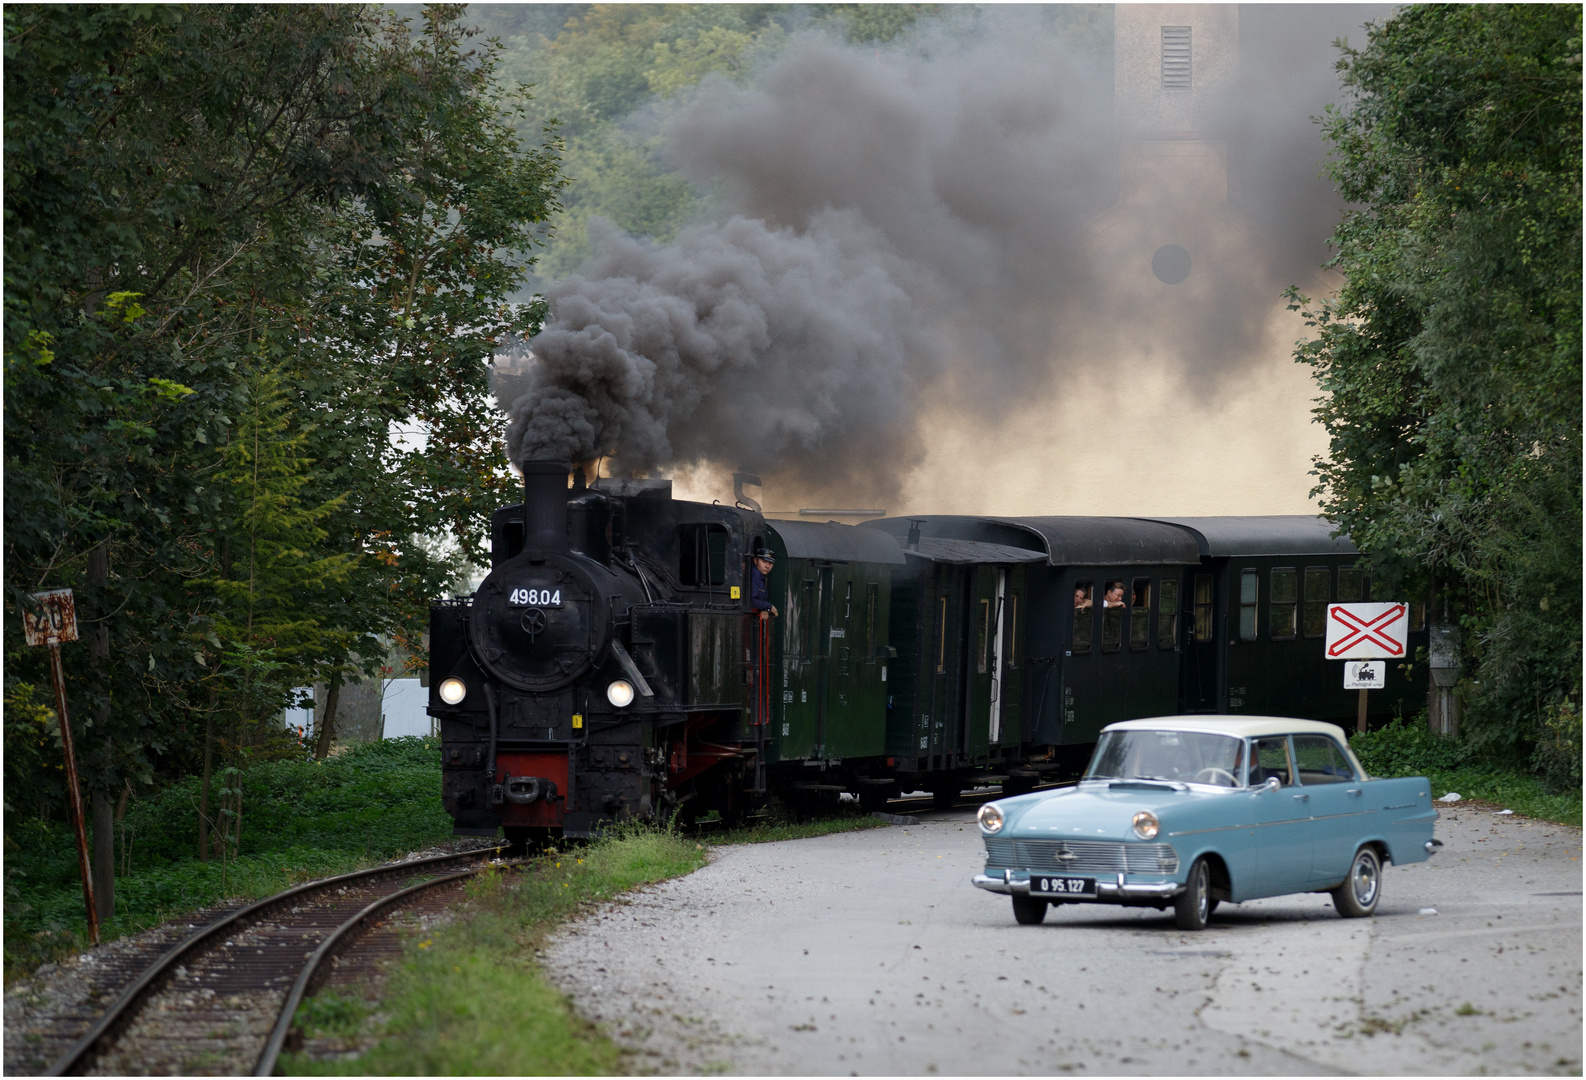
(870,953)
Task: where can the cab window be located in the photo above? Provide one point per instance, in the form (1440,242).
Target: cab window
(702,555)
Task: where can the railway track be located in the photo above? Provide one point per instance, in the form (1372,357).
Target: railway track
(220,1001)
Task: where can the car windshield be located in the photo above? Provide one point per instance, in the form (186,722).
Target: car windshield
(1190,757)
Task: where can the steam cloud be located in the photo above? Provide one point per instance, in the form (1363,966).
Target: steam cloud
(906,221)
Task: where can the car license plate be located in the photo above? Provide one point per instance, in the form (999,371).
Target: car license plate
(1044,885)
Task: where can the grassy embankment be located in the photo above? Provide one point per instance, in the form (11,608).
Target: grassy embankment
(469,999)
(301,820)
(1407,748)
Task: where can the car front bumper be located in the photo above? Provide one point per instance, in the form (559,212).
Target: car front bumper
(1108,890)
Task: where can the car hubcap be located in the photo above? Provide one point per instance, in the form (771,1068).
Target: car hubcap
(1365,881)
(1202,894)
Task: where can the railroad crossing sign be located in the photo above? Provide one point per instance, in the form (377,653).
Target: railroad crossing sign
(1367,631)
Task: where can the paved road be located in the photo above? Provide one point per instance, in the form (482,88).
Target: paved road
(870,953)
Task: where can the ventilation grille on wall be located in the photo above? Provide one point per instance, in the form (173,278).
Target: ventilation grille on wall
(1175,58)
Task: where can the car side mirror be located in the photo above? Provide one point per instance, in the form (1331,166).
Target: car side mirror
(1272,784)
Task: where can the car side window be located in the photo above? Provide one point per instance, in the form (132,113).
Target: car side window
(1320,761)
(1271,759)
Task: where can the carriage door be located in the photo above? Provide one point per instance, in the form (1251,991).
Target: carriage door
(982,718)
(824,624)
(1198,685)
(999,618)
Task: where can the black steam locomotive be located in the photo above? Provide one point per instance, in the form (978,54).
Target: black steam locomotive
(609,666)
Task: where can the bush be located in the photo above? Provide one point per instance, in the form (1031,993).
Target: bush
(1407,748)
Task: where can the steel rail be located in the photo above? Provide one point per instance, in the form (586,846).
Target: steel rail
(333,941)
(81,1054)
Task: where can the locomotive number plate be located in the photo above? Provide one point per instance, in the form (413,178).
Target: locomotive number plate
(535,598)
(1041,885)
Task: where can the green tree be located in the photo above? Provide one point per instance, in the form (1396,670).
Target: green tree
(1450,361)
(198,194)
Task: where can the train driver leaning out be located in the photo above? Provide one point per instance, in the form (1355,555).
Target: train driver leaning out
(759,595)
(1114,594)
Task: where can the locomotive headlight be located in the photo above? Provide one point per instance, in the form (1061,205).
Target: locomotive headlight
(620,693)
(453,691)
(990,818)
(1146,825)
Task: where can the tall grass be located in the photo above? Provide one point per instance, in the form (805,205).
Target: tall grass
(301,820)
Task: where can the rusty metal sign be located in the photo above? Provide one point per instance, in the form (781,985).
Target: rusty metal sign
(55,621)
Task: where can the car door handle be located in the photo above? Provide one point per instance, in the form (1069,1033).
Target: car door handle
(1302,798)
(1352,791)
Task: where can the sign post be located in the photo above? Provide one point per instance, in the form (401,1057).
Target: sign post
(1366,632)
(55,622)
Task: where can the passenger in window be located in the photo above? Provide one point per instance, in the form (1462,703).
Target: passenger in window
(1114,596)
(1081,597)
(759,594)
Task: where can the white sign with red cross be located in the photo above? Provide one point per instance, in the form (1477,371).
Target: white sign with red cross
(1367,631)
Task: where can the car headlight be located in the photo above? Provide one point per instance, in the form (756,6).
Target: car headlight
(1146,825)
(990,818)
(620,693)
(453,691)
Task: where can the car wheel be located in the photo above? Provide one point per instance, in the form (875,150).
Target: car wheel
(1193,906)
(1028,911)
(1357,896)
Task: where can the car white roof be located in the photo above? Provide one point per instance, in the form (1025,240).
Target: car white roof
(1241,726)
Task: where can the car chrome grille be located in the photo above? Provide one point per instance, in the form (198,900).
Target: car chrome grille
(1081,856)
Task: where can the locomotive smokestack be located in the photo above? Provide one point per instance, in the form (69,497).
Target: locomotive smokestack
(545,505)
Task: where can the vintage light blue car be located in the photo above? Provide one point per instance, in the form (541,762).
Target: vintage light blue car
(1188,811)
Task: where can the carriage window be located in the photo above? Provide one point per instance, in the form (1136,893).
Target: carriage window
(1083,619)
(1351,585)
(941,637)
(702,555)
(1281,612)
(1013,630)
(1112,616)
(1249,593)
(872,602)
(1140,614)
(983,641)
(1203,607)
(1167,614)
(1318,590)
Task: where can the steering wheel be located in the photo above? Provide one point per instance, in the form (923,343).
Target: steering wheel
(1213,775)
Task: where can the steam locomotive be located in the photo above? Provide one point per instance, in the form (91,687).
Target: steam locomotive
(609,667)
